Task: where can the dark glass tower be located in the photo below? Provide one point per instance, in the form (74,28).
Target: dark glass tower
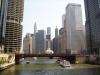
(40,42)
(3,15)
(92,10)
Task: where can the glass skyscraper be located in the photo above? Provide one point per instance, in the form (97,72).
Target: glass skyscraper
(74,29)
(92,10)
(40,42)
(3,15)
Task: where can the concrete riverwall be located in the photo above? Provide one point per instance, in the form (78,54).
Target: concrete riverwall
(80,59)
(88,59)
(6,60)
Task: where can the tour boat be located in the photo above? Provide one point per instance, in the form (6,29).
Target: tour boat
(34,58)
(65,63)
(27,62)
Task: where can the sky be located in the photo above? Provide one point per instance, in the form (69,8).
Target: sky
(46,13)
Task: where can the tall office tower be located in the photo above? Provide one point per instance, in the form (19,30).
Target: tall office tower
(63,35)
(40,42)
(3,15)
(74,27)
(62,41)
(48,38)
(33,44)
(13,36)
(33,40)
(92,10)
(63,20)
(48,31)
(56,42)
(35,28)
(56,32)
(27,44)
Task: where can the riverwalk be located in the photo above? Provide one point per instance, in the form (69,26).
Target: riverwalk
(6,65)
(81,66)
(6,60)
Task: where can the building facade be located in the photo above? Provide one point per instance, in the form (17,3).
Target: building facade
(27,44)
(56,45)
(40,43)
(62,35)
(33,39)
(48,38)
(74,28)
(92,10)
(62,41)
(13,33)
(56,32)
(3,15)
(33,44)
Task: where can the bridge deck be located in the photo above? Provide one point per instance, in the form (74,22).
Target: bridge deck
(43,55)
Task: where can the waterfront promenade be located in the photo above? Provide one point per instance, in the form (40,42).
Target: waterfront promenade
(6,60)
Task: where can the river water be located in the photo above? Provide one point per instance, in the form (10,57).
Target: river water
(47,67)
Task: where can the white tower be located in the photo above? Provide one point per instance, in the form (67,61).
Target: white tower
(35,28)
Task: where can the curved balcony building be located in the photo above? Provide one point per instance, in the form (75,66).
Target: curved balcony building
(14,26)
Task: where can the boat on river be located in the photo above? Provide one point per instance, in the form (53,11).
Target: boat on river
(27,62)
(65,63)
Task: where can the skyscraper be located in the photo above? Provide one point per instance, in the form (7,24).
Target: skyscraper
(62,41)
(92,10)
(62,35)
(63,20)
(3,15)
(33,44)
(48,31)
(40,42)
(48,38)
(74,27)
(35,28)
(13,36)
(56,42)
(33,38)
(56,32)
(27,44)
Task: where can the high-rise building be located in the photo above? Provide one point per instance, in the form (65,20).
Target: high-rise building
(48,38)
(56,32)
(13,35)
(62,35)
(56,42)
(27,44)
(35,28)
(63,20)
(74,27)
(40,44)
(55,45)
(33,38)
(92,10)
(3,15)
(62,41)
(33,44)
(48,31)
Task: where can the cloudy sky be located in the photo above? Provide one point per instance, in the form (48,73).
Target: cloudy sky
(46,13)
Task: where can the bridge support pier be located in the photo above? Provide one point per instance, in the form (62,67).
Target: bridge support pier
(17,60)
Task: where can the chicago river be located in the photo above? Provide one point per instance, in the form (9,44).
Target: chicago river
(50,67)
